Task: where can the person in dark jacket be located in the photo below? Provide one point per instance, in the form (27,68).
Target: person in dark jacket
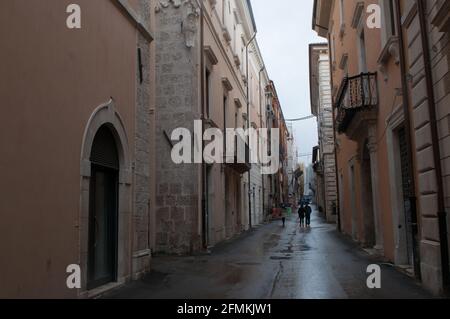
(283,215)
(301,215)
(308,212)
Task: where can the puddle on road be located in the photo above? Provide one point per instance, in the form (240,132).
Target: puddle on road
(303,248)
(281,257)
(248,264)
(233,274)
(271,242)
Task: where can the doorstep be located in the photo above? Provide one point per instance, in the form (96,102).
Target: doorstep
(406,269)
(98,293)
(373,252)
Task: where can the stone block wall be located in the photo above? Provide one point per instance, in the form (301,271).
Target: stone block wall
(178,187)
(431,268)
(326,138)
(142,141)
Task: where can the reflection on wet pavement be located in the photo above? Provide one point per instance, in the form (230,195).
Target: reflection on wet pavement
(273,262)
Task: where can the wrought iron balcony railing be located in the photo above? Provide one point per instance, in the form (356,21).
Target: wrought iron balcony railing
(357,93)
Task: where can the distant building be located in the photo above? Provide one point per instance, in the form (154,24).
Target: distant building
(299,183)
(279,185)
(310,183)
(292,165)
(321,106)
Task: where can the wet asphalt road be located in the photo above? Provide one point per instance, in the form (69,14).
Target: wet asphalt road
(273,262)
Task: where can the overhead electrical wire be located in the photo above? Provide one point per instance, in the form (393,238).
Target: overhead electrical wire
(301,119)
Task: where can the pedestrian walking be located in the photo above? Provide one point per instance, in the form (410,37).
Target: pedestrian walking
(283,215)
(301,215)
(308,212)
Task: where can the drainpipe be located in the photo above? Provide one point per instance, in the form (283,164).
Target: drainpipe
(436,148)
(203,110)
(261,125)
(248,128)
(407,123)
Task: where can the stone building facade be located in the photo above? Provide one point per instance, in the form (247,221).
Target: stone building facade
(178,189)
(209,68)
(426,29)
(321,107)
(279,184)
(390,94)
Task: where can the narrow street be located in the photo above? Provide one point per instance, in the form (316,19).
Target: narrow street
(273,262)
(135,134)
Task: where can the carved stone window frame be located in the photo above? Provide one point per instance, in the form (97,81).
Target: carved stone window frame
(390,50)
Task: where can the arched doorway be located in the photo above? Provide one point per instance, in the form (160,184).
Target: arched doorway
(103,210)
(105,161)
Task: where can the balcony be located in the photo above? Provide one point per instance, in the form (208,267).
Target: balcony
(356,102)
(240,160)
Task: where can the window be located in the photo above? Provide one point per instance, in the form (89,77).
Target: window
(251,93)
(225,103)
(208,93)
(392,17)
(362,52)
(343,65)
(223,12)
(342,18)
(333,52)
(226,6)
(234,38)
(388,20)
(242,60)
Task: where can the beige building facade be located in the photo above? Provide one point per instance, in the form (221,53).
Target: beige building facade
(391,113)
(426,28)
(77,113)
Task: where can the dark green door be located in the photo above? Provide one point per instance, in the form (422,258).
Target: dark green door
(102,227)
(103,210)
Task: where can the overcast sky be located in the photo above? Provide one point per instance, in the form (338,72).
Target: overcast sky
(284,32)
